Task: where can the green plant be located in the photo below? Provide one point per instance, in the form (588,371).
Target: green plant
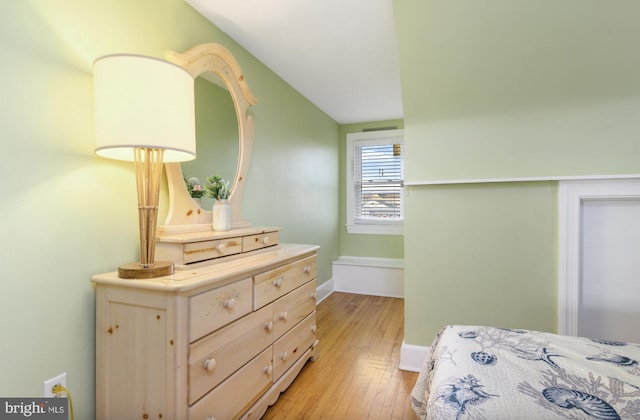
(194,187)
(217,188)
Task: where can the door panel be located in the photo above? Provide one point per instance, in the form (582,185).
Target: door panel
(609,306)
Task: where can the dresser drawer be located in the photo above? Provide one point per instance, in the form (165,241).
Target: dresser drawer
(213,309)
(235,395)
(216,356)
(207,250)
(287,349)
(261,240)
(273,284)
(294,307)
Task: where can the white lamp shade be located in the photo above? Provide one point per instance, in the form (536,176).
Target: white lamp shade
(143,102)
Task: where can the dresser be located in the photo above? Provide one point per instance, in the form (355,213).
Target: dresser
(217,340)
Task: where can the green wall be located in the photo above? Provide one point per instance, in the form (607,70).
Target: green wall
(67,214)
(364,245)
(480,254)
(502,88)
(505,89)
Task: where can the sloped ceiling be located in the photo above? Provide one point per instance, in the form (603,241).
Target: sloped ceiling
(341,55)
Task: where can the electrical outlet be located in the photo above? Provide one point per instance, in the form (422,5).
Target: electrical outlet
(50,383)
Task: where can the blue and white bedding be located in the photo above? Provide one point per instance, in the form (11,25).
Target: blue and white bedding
(478,372)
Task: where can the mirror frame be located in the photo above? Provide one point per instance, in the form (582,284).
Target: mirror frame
(185,215)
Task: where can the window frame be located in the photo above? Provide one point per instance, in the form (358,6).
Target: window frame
(368,226)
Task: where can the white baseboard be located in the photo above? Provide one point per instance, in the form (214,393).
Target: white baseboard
(412,357)
(324,290)
(369,276)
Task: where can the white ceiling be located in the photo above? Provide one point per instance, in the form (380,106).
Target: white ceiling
(339,54)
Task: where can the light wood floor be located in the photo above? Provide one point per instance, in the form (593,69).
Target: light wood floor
(357,375)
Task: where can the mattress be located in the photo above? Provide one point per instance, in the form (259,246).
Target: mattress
(481,372)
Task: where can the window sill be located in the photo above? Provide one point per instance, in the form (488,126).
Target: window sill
(376,229)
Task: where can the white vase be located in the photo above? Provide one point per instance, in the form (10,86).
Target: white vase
(221,215)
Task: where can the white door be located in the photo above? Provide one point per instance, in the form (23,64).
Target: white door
(609,295)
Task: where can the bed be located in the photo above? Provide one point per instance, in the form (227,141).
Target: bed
(480,372)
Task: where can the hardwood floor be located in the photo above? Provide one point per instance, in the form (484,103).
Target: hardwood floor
(357,375)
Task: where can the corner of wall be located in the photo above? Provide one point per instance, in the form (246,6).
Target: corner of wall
(324,290)
(412,357)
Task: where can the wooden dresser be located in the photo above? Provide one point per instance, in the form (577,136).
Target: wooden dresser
(219,340)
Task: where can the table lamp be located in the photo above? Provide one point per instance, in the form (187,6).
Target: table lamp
(144,112)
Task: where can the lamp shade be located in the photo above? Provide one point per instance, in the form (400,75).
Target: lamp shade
(143,102)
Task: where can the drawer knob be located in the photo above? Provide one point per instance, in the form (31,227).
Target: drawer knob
(210,364)
(284,315)
(210,418)
(229,303)
(312,295)
(307,269)
(221,248)
(268,326)
(268,369)
(314,328)
(278,282)
(283,355)
(265,240)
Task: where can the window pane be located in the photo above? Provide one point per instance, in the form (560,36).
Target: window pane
(378,181)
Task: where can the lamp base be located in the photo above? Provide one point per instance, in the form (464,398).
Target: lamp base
(137,271)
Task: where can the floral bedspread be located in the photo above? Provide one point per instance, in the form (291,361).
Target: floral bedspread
(478,372)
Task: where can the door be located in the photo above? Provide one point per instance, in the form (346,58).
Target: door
(609,295)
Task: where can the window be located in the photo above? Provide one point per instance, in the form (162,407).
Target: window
(375,180)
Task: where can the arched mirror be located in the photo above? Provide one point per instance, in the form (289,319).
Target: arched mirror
(220,86)
(217,134)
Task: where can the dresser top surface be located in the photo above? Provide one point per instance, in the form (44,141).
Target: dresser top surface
(191,279)
(213,235)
